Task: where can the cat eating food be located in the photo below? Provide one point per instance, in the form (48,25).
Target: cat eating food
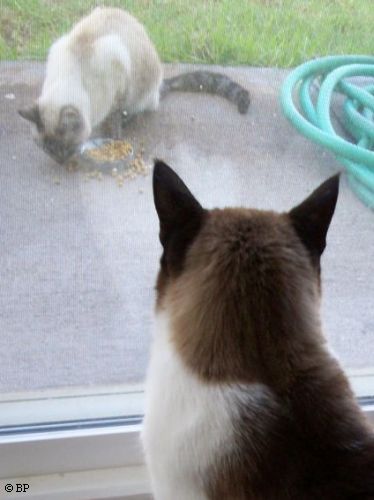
(104,68)
(243,399)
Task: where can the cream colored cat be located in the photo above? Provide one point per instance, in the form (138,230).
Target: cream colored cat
(104,67)
(106,63)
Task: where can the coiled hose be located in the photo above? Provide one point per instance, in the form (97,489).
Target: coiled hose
(313,118)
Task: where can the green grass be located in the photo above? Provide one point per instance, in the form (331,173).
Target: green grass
(280,33)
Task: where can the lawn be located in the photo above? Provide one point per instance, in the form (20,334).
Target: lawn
(279,33)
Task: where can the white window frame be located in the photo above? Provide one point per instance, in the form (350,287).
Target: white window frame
(96,458)
(76,464)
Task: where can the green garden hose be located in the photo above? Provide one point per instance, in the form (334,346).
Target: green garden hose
(333,74)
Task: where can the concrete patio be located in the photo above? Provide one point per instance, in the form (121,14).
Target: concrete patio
(79,259)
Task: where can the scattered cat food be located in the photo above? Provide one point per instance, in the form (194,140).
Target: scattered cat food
(113,151)
(138,166)
(99,159)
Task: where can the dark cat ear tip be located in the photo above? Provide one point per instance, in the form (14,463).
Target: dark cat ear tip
(160,168)
(157,162)
(335,179)
(331,185)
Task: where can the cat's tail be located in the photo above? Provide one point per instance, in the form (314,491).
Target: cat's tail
(211,83)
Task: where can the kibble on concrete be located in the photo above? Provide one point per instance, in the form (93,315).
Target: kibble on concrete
(113,151)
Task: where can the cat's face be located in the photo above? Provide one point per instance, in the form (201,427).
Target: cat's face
(58,132)
(239,284)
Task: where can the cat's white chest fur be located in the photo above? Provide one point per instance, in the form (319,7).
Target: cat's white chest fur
(188,424)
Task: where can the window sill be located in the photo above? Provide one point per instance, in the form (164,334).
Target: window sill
(122,483)
(94,458)
(95,463)
(101,463)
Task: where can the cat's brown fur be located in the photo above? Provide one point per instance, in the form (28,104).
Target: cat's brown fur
(242,288)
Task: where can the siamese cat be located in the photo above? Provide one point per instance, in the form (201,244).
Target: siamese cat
(243,398)
(106,67)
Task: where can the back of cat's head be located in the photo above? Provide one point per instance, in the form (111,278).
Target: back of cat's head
(237,276)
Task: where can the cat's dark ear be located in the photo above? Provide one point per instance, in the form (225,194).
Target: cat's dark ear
(179,212)
(312,217)
(70,119)
(31,114)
